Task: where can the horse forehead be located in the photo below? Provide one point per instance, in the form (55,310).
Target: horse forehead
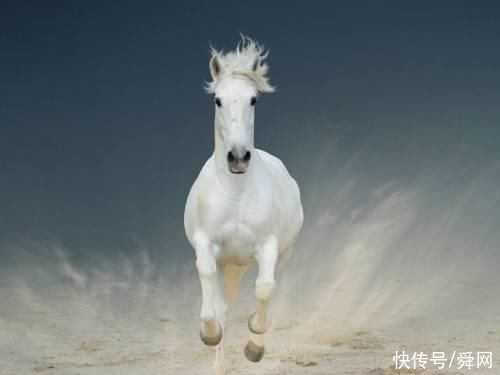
(235,88)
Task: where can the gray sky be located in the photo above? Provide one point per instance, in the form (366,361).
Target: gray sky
(104,123)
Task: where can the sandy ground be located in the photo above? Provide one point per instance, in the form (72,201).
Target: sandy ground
(368,278)
(138,328)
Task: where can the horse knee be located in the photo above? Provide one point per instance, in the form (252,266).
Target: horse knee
(206,266)
(205,259)
(207,314)
(264,289)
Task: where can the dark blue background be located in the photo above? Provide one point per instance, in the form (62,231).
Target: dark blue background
(104,123)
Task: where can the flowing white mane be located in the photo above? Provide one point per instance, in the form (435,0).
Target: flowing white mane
(246,61)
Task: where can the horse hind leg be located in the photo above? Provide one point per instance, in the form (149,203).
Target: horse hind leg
(221,310)
(233,274)
(220,362)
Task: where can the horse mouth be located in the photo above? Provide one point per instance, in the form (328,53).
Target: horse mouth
(236,171)
(238,167)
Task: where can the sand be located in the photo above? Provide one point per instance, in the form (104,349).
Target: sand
(369,277)
(136,326)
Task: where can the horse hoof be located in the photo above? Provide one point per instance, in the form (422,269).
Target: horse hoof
(253,330)
(253,352)
(211,341)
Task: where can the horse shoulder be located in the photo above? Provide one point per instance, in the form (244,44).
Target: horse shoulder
(194,196)
(272,160)
(279,168)
(291,204)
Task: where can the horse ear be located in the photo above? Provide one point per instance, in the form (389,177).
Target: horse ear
(256,64)
(215,67)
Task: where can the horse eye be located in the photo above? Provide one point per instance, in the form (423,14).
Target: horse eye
(253,100)
(218,102)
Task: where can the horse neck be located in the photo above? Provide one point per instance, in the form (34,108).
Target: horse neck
(233,184)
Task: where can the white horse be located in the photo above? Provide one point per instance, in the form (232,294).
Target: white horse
(244,207)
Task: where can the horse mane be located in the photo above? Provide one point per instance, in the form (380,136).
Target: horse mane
(246,61)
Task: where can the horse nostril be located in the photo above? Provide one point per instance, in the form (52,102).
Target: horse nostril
(230,157)
(247,156)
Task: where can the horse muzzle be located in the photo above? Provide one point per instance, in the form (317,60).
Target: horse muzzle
(238,160)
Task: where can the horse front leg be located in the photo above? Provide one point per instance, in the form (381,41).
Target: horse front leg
(267,257)
(210,329)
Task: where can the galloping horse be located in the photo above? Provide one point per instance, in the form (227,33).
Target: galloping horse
(244,207)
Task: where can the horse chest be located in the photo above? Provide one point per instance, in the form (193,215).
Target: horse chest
(237,227)
(244,219)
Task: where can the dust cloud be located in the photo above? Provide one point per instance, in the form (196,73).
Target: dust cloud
(381,265)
